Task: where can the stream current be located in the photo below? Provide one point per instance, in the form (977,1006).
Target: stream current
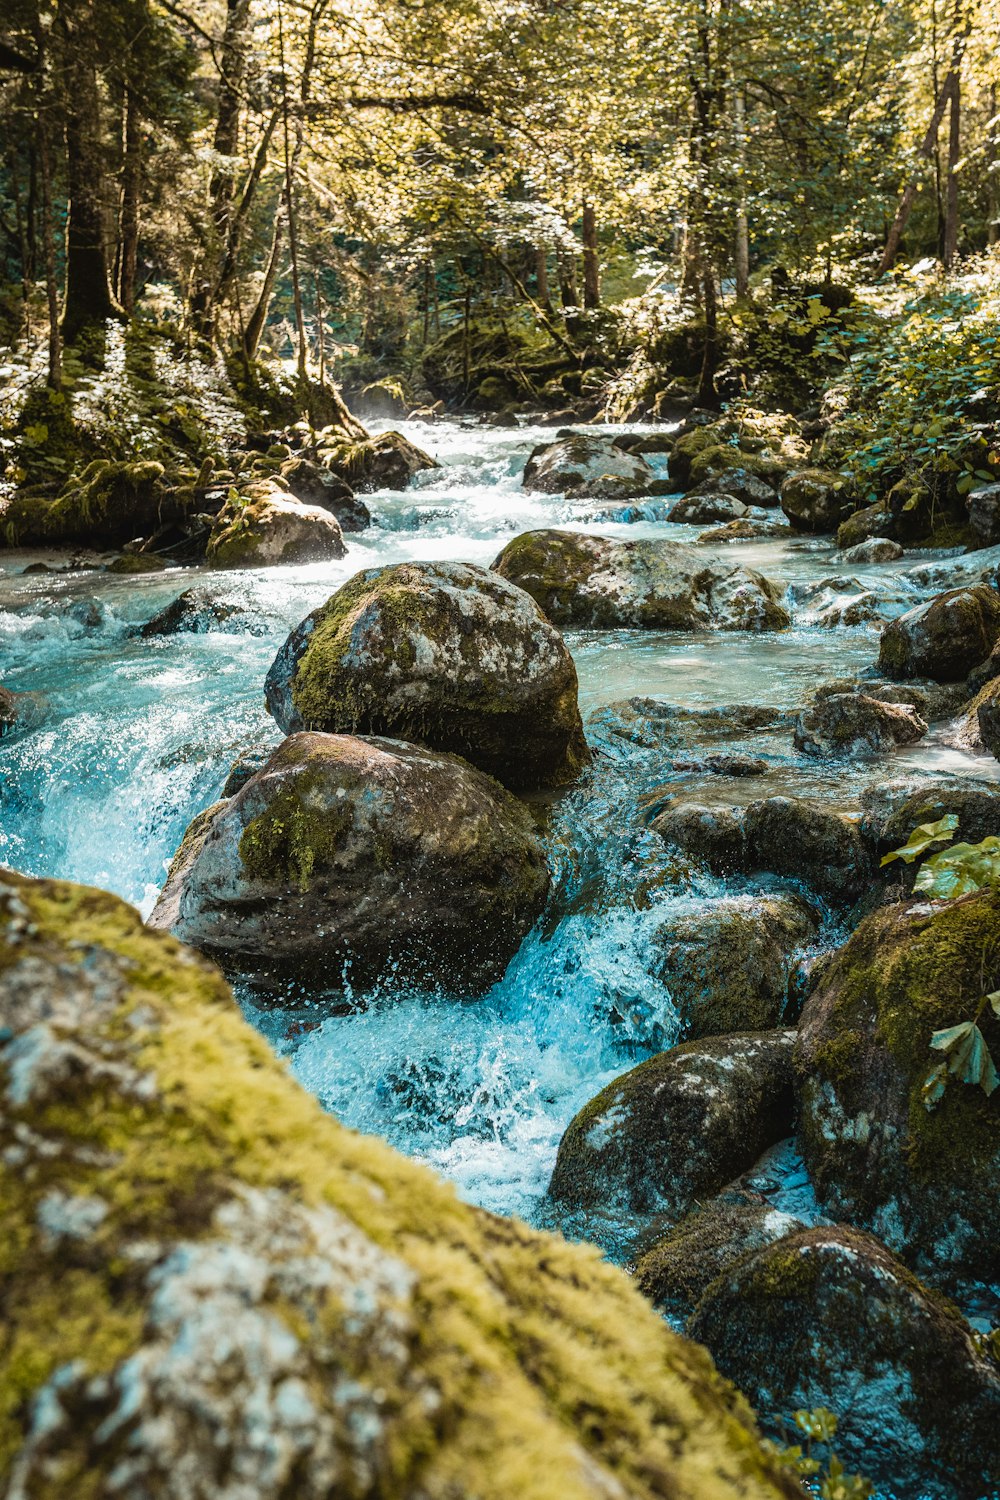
(139,735)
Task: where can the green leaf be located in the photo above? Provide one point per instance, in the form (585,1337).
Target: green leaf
(922,838)
(943,1041)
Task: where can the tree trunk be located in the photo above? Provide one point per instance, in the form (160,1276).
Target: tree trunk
(49,257)
(591,260)
(925,152)
(258,318)
(993,171)
(741,246)
(710,353)
(950,248)
(88,290)
(131,191)
(542,278)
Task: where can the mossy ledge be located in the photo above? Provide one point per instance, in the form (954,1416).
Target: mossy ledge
(209,1284)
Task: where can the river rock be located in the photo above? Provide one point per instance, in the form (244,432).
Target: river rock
(742,485)
(583,465)
(854,724)
(891,814)
(388,461)
(747,530)
(979,728)
(360,857)
(20,711)
(198,612)
(107,505)
(984,515)
(702,510)
(311,484)
(728,966)
(255,1301)
(679,1126)
(926,1181)
(679,1267)
(584,580)
(263,526)
(869,523)
(813,499)
(876,549)
(944,638)
(828,1317)
(780,835)
(445,654)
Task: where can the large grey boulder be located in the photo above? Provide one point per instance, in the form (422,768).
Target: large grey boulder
(584,466)
(944,638)
(444,654)
(584,580)
(262,526)
(348,859)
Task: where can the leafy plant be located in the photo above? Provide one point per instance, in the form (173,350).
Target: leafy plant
(966,1055)
(922,838)
(830,1481)
(960,870)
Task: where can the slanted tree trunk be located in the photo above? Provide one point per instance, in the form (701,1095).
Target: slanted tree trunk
(591,260)
(258,318)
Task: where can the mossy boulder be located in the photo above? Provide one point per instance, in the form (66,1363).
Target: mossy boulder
(211,1287)
(778,835)
(199,612)
(109,504)
(312,484)
(716,460)
(944,638)
(686,448)
(977,809)
(876,549)
(588,466)
(263,527)
(984,515)
(814,500)
(584,580)
(926,1181)
(679,1126)
(742,485)
(728,966)
(866,524)
(444,654)
(855,724)
(678,1267)
(386,462)
(350,859)
(137,562)
(828,1317)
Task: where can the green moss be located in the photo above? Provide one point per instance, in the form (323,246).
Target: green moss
(543,1360)
(295,837)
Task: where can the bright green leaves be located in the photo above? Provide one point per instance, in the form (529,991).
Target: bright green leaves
(831,1482)
(960,870)
(820,1425)
(967,1057)
(922,838)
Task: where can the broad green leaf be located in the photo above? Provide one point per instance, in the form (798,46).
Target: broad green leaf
(943,1041)
(922,838)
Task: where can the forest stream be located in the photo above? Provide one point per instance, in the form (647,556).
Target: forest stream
(140,734)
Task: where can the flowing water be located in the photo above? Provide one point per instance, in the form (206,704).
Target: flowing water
(138,736)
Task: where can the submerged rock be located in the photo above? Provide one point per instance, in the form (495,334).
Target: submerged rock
(854,724)
(828,1317)
(780,835)
(584,465)
(252,1300)
(679,1126)
(814,500)
(680,1266)
(944,638)
(874,550)
(20,711)
(445,654)
(198,612)
(702,510)
(263,526)
(362,857)
(728,967)
(584,580)
(926,1181)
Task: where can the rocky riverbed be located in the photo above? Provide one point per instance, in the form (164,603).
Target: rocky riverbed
(765,717)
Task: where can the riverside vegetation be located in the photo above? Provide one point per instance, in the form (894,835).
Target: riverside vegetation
(500,750)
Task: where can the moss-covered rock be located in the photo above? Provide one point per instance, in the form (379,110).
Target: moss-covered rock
(719,459)
(588,466)
(876,549)
(584,580)
(110,503)
(944,638)
(444,654)
(353,858)
(870,522)
(727,967)
(828,1317)
(311,484)
(262,527)
(386,462)
(780,835)
(740,483)
(984,515)
(679,1126)
(814,500)
(137,562)
(927,1182)
(677,1269)
(703,510)
(977,809)
(856,724)
(211,1287)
